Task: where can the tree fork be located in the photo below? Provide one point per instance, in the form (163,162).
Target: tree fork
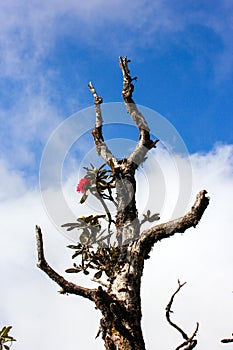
(120,301)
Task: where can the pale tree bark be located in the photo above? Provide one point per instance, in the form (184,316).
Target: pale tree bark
(120,301)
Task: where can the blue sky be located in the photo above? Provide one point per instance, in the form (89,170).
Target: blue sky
(182,54)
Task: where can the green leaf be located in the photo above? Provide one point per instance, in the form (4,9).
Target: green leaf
(69,224)
(88,219)
(154,217)
(78,252)
(4,332)
(71,246)
(7,339)
(108,273)
(84,255)
(84,237)
(71,228)
(72,270)
(98,274)
(102,166)
(84,197)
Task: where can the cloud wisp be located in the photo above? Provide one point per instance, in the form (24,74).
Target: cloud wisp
(30,33)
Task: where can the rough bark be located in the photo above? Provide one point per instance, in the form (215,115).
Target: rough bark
(127,223)
(120,302)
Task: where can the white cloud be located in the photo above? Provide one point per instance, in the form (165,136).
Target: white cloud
(42,318)
(202,257)
(12,184)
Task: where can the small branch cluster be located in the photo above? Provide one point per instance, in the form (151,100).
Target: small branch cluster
(102,260)
(189,342)
(99,182)
(90,227)
(149,218)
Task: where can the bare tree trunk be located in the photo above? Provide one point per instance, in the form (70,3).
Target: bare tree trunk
(127,222)
(120,301)
(121,310)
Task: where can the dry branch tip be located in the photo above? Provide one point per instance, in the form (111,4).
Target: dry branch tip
(189,341)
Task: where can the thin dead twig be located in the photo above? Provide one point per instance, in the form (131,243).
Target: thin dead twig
(189,342)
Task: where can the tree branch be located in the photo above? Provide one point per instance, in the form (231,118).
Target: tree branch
(145,143)
(188,340)
(149,237)
(227,340)
(67,287)
(97,134)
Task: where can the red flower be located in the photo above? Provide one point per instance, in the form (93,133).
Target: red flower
(83,185)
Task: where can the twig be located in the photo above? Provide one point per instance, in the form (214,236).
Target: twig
(230,340)
(227,340)
(67,287)
(189,341)
(98,196)
(168,311)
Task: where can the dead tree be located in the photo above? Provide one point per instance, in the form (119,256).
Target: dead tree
(119,299)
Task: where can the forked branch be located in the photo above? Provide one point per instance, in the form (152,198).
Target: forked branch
(189,342)
(67,287)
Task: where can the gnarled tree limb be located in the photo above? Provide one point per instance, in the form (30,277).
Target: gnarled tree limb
(97,134)
(144,143)
(67,287)
(149,237)
(189,342)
